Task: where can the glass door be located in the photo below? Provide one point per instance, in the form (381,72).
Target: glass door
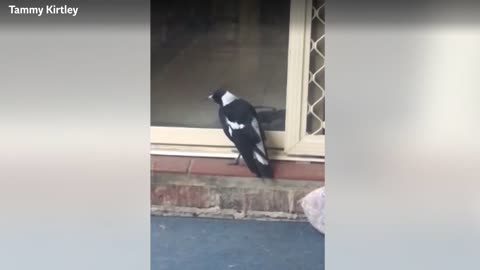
(264,51)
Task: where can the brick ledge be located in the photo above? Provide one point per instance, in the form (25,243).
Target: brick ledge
(228,197)
(220,166)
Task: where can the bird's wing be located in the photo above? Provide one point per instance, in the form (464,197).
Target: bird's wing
(245,129)
(259,129)
(226,128)
(260,150)
(251,133)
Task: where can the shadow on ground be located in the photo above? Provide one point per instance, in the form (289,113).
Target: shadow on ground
(211,244)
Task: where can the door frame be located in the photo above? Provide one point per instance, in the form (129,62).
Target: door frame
(294,140)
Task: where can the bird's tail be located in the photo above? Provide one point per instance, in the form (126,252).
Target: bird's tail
(259,166)
(262,163)
(264,171)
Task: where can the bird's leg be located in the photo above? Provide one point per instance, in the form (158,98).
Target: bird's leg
(236,162)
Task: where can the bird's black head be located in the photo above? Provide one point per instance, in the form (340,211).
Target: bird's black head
(217,96)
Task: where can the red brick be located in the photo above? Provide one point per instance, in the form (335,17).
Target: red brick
(300,171)
(170,164)
(183,196)
(219,166)
(268,200)
(231,198)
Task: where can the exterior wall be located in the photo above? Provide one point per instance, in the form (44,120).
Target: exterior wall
(228,197)
(198,192)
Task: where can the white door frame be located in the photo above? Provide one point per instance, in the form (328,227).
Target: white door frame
(297,141)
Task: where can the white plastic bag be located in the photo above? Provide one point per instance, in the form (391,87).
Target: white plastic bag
(313,205)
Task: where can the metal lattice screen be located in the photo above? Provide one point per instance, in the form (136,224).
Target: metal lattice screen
(316,82)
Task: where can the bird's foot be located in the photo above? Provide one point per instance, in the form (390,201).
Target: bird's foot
(236,162)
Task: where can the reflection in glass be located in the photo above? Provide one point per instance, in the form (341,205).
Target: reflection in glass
(201,45)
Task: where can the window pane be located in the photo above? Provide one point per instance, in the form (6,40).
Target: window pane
(201,45)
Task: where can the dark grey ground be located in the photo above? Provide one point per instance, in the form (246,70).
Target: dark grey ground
(210,244)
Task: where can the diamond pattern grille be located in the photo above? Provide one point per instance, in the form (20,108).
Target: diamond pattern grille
(316,82)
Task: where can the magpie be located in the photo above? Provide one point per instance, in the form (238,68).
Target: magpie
(240,123)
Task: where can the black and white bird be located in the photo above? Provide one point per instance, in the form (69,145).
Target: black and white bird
(240,123)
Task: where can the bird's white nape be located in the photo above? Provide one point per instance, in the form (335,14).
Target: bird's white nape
(227,98)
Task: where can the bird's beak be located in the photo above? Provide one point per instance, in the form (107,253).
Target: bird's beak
(210,97)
